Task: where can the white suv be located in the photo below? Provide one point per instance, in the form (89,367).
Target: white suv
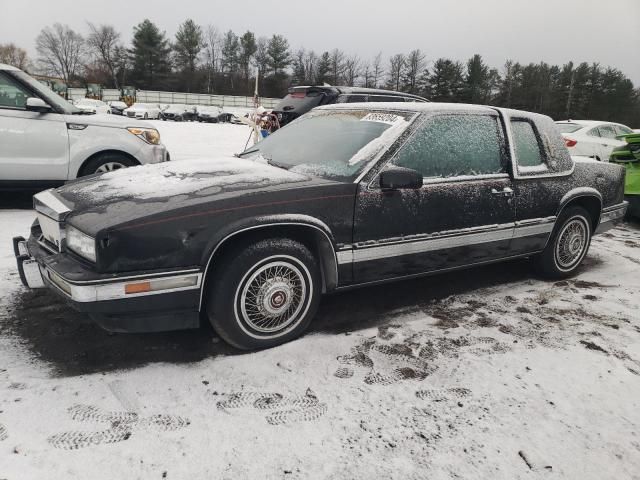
(45,141)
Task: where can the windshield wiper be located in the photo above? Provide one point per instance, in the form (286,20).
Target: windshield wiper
(278,164)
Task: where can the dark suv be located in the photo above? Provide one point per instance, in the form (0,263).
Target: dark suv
(302,99)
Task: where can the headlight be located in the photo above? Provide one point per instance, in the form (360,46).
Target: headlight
(149,135)
(82,244)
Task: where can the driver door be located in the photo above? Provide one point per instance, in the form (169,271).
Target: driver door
(464,213)
(35,146)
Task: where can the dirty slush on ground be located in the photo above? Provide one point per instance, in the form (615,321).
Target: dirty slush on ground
(485,372)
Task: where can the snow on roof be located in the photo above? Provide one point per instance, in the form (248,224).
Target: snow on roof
(409,107)
(4,66)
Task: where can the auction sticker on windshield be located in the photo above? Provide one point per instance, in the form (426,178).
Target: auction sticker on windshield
(388,118)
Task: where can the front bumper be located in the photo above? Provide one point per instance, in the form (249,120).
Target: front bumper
(138,302)
(610,216)
(153,154)
(634,205)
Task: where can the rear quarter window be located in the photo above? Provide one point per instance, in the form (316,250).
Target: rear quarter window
(527,146)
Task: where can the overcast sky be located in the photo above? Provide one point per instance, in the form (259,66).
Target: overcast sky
(554,31)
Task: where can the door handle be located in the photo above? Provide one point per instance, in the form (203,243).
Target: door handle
(506,192)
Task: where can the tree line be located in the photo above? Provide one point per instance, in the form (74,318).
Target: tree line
(206,60)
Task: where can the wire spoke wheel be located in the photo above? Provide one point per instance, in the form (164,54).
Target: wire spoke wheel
(273,296)
(109,167)
(571,243)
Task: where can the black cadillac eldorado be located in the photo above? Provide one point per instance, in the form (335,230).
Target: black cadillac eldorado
(347,195)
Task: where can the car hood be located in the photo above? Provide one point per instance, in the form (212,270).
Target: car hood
(104,120)
(142,192)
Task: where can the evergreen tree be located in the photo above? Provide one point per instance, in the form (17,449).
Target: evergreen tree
(188,45)
(230,52)
(477,82)
(278,54)
(323,71)
(248,48)
(149,56)
(446,81)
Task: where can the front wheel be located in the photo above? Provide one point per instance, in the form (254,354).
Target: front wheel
(264,294)
(106,162)
(568,245)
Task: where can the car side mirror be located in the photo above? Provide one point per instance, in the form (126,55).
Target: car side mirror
(35,104)
(397,178)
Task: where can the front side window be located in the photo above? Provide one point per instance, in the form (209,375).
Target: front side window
(331,144)
(526,144)
(454,145)
(12,95)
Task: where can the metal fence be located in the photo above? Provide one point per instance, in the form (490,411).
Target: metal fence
(145,96)
(110,94)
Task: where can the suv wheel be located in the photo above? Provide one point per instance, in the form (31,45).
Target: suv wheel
(568,245)
(265,294)
(107,162)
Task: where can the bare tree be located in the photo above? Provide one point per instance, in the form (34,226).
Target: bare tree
(212,47)
(13,55)
(352,66)
(396,66)
(310,60)
(60,50)
(414,65)
(104,43)
(377,71)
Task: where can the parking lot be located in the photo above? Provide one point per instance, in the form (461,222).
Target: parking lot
(508,375)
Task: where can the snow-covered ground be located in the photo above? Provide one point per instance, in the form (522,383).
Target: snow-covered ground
(186,140)
(484,374)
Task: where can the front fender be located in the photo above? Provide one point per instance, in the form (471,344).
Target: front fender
(95,139)
(258,222)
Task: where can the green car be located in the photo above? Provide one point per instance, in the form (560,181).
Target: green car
(629,156)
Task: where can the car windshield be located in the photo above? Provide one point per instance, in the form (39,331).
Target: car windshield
(568,127)
(331,144)
(51,97)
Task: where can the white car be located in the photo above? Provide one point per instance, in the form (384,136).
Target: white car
(591,138)
(45,141)
(144,111)
(92,106)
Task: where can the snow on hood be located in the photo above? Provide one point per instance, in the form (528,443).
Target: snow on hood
(111,121)
(153,182)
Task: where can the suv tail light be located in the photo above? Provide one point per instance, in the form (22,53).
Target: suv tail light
(570,142)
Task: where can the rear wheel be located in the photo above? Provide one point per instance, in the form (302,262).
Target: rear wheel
(106,162)
(568,245)
(265,294)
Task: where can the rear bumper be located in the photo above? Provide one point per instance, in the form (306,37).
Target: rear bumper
(170,300)
(611,216)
